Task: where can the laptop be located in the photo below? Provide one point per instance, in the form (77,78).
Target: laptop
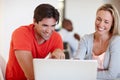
(54,69)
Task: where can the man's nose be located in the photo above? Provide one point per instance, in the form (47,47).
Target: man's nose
(49,29)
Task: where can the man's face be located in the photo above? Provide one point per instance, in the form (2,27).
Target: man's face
(45,28)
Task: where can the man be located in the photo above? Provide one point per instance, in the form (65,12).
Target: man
(68,36)
(36,40)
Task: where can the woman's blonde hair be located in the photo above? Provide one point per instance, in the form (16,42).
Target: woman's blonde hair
(115,28)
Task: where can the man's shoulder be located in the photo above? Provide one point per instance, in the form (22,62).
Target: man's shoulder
(55,36)
(24,28)
(22,33)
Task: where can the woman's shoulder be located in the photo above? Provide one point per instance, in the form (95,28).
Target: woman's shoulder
(115,39)
(88,36)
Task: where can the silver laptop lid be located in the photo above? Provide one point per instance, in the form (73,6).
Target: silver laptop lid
(52,69)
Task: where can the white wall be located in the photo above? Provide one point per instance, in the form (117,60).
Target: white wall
(1,27)
(14,13)
(82,13)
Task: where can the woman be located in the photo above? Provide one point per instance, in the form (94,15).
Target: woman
(103,45)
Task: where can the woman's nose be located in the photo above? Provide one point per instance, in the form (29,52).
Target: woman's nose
(101,23)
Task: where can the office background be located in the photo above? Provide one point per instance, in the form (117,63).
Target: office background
(14,13)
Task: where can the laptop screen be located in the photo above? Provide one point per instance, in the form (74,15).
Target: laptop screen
(54,69)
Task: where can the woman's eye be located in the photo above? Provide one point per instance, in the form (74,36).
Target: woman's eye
(106,22)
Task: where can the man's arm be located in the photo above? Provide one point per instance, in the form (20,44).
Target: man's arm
(25,61)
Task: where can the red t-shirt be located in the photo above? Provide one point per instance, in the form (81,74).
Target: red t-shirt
(23,38)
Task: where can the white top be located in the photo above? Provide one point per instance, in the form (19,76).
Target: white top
(100,59)
(69,37)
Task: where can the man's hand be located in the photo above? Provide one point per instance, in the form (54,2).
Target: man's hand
(57,54)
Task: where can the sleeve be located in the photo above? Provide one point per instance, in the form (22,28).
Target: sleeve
(72,41)
(82,49)
(114,65)
(21,40)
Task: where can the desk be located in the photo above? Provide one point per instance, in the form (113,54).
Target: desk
(2,68)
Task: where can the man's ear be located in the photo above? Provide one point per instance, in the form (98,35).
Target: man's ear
(34,21)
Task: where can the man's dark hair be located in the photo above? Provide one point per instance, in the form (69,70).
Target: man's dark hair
(45,11)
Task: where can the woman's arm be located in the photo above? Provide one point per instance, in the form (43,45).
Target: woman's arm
(114,64)
(83,47)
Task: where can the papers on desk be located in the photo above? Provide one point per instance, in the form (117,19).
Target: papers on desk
(48,56)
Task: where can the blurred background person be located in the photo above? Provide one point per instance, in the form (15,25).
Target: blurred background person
(68,36)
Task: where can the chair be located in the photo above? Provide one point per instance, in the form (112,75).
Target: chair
(67,50)
(2,68)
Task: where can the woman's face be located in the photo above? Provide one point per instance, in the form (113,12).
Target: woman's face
(103,22)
